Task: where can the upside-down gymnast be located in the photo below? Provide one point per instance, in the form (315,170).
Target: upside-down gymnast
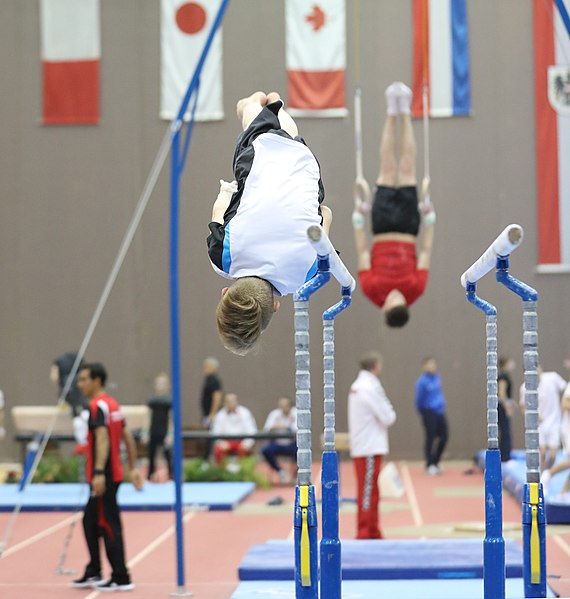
(258,233)
(390,275)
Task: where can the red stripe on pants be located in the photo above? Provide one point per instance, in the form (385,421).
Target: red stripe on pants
(102,521)
(367,471)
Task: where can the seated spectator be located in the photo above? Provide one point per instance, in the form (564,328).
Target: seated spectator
(159,404)
(563,464)
(281,420)
(233,419)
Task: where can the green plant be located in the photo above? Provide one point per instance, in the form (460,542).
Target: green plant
(238,470)
(55,469)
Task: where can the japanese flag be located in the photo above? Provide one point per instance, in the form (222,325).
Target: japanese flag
(71,53)
(316,57)
(183,32)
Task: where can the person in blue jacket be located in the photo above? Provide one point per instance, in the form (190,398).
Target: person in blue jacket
(430,403)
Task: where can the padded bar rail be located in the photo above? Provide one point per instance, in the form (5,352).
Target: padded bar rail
(505,243)
(324,247)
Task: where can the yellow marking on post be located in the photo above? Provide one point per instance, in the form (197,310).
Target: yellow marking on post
(534,493)
(305,545)
(534,537)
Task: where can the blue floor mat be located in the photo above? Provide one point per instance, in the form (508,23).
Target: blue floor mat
(386,560)
(514,478)
(153,497)
(377,589)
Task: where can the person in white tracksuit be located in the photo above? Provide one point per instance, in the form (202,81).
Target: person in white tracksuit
(370,414)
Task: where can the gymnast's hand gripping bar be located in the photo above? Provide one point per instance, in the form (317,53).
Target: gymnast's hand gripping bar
(505,243)
(324,247)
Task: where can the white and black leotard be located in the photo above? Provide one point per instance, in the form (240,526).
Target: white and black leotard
(279,195)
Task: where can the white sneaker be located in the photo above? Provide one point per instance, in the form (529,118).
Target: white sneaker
(433,470)
(392,92)
(404,98)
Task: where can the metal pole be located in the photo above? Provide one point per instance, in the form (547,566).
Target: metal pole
(305,507)
(331,569)
(494,543)
(305,518)
(533,513)
(175,361)
(175,174)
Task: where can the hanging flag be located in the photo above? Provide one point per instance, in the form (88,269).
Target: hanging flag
(441,58)
(552,123)
(183,32)
(316,57)
(71,53)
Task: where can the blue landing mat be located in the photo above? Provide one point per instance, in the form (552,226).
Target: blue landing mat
(386,560)
(514,478)
(153,497)
(375,589)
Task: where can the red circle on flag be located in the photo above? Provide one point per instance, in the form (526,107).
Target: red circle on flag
(190,17)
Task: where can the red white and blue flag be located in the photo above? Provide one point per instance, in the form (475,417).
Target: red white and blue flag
(441,58)
(184,28)
(316,57)
(71,54)
(552,122)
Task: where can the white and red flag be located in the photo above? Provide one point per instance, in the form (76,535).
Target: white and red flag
(552,122)
(184,29)
(441,58)
(71,53)
(316,57)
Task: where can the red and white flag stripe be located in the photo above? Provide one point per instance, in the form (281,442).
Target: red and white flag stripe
(316,57)
(184,29)
(551,47)
(71,54)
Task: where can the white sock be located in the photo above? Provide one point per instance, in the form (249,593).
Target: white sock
(404,98)
(391,94)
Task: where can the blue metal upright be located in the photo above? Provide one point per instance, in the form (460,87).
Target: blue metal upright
(533,513)
(494,543)
(177,165)
(331,572)
(305,518)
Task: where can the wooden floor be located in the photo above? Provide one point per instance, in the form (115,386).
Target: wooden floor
(215,542)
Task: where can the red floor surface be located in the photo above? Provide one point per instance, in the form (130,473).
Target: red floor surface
(215,542)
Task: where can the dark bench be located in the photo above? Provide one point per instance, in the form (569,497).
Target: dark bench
(190,435)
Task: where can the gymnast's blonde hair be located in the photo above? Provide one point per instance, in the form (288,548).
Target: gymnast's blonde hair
(243,314)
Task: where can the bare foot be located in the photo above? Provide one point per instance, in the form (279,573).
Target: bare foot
(255,98)
(273,97)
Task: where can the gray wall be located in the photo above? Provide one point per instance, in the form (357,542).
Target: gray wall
(67,194)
